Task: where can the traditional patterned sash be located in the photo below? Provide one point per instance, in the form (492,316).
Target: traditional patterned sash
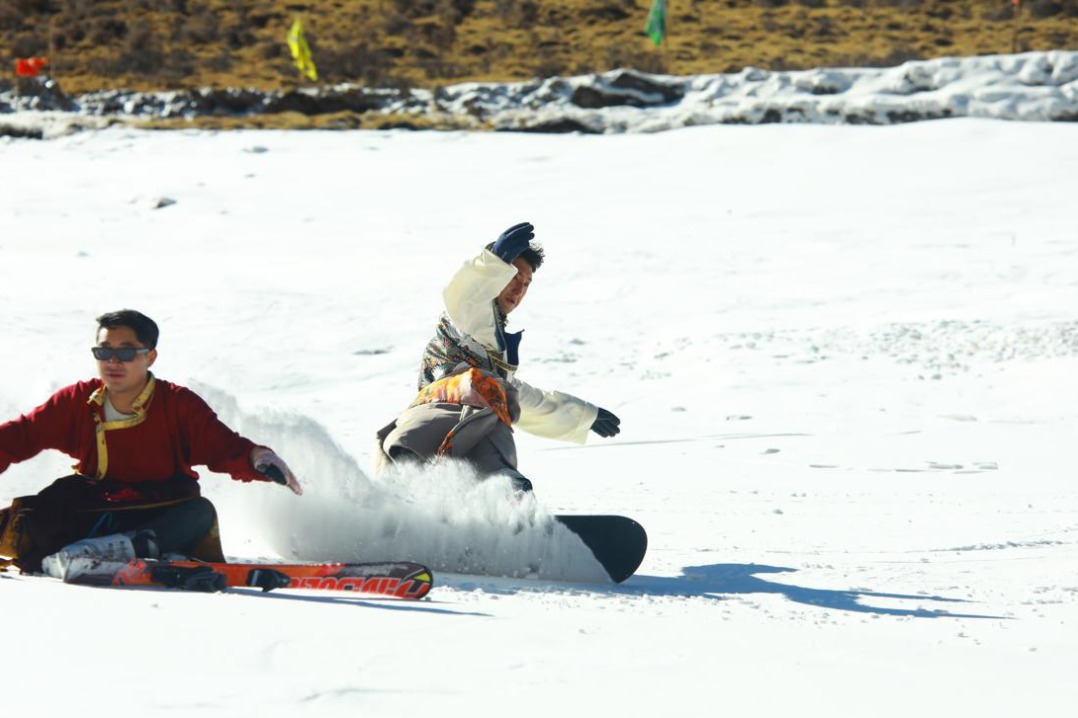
(469,388)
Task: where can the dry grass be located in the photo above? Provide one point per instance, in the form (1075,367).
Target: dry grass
(171,44)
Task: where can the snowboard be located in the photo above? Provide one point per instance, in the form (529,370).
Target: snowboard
(398,579)
(617,542)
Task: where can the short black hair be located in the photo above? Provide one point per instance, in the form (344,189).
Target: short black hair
(145,328)
(533,254)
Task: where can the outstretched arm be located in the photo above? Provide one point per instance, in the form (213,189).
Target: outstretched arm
(212,444)
(50,426)
(554,414)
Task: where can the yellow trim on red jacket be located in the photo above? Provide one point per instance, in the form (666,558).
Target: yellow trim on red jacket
(140,405)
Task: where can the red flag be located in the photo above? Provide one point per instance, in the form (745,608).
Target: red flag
(30,66)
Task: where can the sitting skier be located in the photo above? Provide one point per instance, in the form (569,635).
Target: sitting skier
(470,397)
(136,437)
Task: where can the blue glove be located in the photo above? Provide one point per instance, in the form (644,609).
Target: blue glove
(606,424)
(513,241)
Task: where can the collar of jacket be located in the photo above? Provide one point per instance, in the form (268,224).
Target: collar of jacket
(500,317)
(139,404)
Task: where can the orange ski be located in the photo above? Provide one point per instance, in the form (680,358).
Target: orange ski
(397,579)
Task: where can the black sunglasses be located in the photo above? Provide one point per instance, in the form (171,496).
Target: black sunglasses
(122,353)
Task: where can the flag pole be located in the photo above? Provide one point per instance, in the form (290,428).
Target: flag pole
(665,47)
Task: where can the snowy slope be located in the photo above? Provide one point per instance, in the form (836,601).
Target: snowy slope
(843,358)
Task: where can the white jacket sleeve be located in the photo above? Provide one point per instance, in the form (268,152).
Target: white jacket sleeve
(468,297)
(554,414)
(469,294)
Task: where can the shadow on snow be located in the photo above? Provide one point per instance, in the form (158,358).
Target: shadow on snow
(425,605)
(718,581)
(735,578)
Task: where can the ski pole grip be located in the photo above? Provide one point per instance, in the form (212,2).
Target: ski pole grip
(273,473)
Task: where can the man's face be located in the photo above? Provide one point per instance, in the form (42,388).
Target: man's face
(123,376)
(514,292)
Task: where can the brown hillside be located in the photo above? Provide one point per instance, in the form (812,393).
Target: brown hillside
(165,44)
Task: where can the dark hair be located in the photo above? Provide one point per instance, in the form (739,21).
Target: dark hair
(533,254)
(145,328)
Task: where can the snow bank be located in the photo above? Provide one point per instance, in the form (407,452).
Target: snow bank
(1035,86)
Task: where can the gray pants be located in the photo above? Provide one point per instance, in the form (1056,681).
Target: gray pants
(475,434)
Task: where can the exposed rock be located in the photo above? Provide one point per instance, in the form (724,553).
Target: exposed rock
(626,87)
(1035,86)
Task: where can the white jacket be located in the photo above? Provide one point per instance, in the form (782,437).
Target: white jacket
(469,303)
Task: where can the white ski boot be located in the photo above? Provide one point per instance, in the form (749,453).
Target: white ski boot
(116,547)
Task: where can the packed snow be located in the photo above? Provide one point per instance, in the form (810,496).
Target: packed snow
(843,357)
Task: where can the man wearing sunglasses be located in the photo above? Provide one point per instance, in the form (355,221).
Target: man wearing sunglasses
(136,439)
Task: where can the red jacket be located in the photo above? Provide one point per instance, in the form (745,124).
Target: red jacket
(173,430)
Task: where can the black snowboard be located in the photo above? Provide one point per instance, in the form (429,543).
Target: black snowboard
(618,542)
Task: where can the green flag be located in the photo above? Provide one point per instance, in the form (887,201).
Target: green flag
(656,27)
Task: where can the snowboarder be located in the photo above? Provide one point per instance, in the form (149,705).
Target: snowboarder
(469,395)
(136,437)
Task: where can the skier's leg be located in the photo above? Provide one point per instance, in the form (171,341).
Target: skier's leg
(41,524)
(177,529)
(495,455)
(402,455)
(520,482)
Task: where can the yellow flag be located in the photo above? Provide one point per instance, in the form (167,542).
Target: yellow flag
(301,51)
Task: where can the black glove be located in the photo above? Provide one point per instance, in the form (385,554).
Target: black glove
(606,424)
(513,241)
